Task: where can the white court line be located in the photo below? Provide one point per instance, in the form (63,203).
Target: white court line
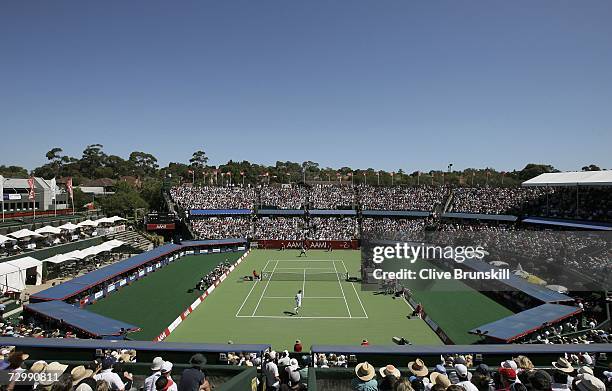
(342,289)
(264,290)
(357,294)
(304,260)
(253,287)
(290,297)
(305,268)
(301,317)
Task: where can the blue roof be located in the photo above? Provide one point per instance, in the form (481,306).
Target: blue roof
(519,284)
(333,212)
(479,216)
(569,223)
(395,213)
(79,284)
(89,322)
(526,322)
(281,212)
(216,212)
(89,344)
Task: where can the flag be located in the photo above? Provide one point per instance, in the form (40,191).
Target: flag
(53,186)
(31,193)
(69,188)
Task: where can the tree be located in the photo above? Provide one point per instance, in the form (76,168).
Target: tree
(198,159)
(591,167)
(532,170)
(13,172)
(54,154)
(93,158)
(144,163)
(124,202)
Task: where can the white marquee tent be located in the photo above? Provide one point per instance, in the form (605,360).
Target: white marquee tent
(15,273)
(574,178)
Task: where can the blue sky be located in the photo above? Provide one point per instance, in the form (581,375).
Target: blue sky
(383,84)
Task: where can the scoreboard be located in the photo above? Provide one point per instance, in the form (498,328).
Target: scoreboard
(160,221)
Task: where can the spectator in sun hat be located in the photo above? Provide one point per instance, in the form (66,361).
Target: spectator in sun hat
(82,375)
(509,364)
(390,376)
(439,379)
(418,368)
(149,383)
(364,381)
(588,382)
(562,379)
(585,369)
(193,378)
(284,360)
(166,371)
(293,376)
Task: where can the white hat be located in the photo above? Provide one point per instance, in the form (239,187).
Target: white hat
(272,354)
(166,367)
(157,363)
(509,364)
(293,364)
(461,369)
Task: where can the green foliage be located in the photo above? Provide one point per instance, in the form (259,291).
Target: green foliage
(532,170)
(13,172)
(124,202)
(198,159)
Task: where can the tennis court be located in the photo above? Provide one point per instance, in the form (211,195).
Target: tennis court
(326,293)
(334,311)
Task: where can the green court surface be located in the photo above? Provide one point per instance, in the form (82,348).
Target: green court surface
(333,311)
(454,306)
(153,302)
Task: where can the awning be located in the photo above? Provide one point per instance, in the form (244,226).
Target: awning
(87,223)
(48,230)
(68,227)
(4,239)
(59,258)
(77,254)
(24,233)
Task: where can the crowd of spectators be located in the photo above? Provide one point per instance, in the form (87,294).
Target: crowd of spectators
(108,371)
(333,228)
(385,225)
(462,373)
(213,197)
(324,196)
(223,227)
(494,200)
(209,279)
(284,197)
(422,198)
(277,228)
(585,203)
